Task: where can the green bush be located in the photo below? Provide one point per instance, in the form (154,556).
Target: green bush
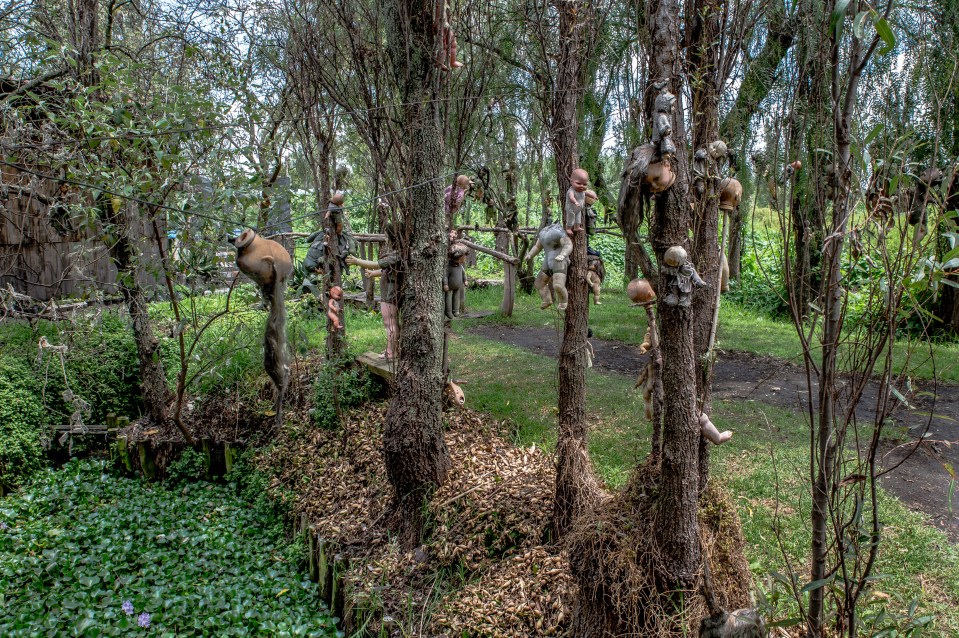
(87,553)
(21,425)
(102,376)
(353,384)
(188,467)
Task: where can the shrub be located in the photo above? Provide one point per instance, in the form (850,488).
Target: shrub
(353,384)
(21,425)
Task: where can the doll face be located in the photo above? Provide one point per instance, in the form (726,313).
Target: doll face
(579,180)
(463,182)
(336,293)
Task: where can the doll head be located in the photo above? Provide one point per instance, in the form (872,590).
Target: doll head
(675,256)
(639,291)
(463,183)
(717,149)
(579,179)
(591,197)
(337,198)
(665,102)
(336,293)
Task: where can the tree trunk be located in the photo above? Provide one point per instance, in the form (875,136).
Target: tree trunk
(84,38)
(153,384)
(823,466)
(576,485)
(676,525)
(704,34)
(417,459)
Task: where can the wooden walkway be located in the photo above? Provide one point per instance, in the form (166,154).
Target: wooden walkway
(378,365)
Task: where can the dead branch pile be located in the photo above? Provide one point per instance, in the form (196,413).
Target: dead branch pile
(617,566)
(490,519)
(527,595)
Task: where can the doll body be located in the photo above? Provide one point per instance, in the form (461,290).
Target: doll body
(447,54)
(595,273)
(454,284)
(554,241)
(575,203)
(679,277)
(333,307)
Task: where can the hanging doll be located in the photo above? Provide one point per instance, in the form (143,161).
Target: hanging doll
(333,307)
(447,58)
(575,203)
(454,283)
(595,273)
(558,247)
(679,276)
(342,233)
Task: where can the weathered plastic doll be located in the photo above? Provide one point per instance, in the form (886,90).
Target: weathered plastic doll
(575,203)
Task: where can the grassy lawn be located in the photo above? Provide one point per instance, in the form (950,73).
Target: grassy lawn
(740,330)
(765,468)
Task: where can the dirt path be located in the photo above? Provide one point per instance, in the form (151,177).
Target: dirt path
(921,480)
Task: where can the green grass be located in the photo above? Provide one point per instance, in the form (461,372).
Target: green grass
(740,330)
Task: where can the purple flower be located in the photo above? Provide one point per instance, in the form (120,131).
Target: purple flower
(127,607)
(144,620)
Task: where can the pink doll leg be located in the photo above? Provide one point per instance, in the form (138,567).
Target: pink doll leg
(388,311)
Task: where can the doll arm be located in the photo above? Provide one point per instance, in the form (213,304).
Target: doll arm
(571,195)
(362,263)
(535,250)
(566,250)
(373,274)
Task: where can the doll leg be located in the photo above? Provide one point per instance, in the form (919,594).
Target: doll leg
(711,432)
(542,285)
(596,286)
(451,47)
(388,311)
(559,287)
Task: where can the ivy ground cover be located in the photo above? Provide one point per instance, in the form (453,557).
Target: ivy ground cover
(84,552)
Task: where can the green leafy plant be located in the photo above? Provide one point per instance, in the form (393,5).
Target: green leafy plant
(349,383)
(87,553)
(188,467)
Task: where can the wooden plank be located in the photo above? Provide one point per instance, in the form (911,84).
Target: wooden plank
(360,299)
(93,428)
(377,365)
(489,251)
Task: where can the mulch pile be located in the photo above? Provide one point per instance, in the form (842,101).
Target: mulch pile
(485,570)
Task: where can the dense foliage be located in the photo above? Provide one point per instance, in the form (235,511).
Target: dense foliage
(87,553)
(97,375)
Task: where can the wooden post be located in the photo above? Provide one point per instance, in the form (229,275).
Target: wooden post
(338,599)
(229,455)
(509,285)
(314,558)
(147,466)
(206,447)
(124,451)
(325,570)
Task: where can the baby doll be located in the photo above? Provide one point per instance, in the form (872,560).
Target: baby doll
(454,197)
(447,60)
(576,200)
(333,307)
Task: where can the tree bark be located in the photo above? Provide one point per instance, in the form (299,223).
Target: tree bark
(676,525)
(703,52)
(153,384)
(576,485)
(417,459)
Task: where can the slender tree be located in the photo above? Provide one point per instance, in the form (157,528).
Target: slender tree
(417,459)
